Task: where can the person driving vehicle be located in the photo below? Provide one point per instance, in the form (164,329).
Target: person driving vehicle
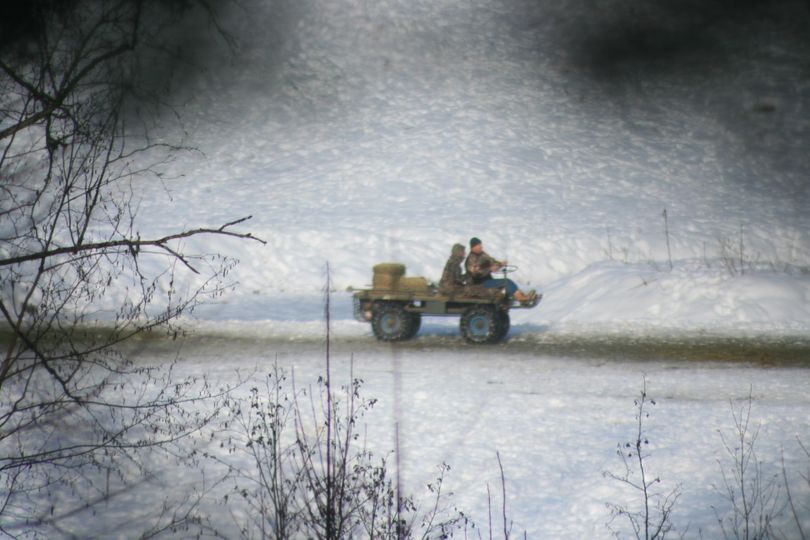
(480,265)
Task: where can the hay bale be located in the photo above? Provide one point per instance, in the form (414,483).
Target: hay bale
(387,275)
(413,284)
(385,281)
(390,269)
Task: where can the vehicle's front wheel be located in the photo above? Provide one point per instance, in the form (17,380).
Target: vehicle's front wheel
(502,318)
(480,324)
(390,322)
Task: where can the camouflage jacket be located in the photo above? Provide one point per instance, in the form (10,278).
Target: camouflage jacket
(452,276)
(478,267)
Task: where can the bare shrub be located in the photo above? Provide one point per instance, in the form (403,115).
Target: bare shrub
(310,474)
(798,509)
(752,494)
(652,518)
(735,255)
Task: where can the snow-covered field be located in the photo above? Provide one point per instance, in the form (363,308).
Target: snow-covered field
(555,421)
(356,132)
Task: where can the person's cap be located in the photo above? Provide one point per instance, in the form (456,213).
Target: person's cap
(474,241)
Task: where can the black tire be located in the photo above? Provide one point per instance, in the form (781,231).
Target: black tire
(502,318)
(416,323)
(480,324)
(390,322)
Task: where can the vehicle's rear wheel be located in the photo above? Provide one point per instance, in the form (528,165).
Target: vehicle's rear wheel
(480,324)
(390,322)
(416,323)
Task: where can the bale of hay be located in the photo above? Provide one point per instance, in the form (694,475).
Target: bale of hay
(391,269)
(413,284)
(385,281)
(387,275)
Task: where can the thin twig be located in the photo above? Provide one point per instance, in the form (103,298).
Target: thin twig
(503,492)
(134,245)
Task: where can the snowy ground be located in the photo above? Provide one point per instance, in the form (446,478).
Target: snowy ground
(357,132)
(555,421)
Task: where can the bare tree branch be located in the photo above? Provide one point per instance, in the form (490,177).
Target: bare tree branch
(133,245)
(74,406)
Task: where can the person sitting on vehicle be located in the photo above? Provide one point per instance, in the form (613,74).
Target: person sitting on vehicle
(452,277)
(480,266)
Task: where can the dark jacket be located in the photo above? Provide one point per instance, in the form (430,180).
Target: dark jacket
(452,277)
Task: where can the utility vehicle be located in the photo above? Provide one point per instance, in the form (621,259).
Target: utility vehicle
(396,304)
